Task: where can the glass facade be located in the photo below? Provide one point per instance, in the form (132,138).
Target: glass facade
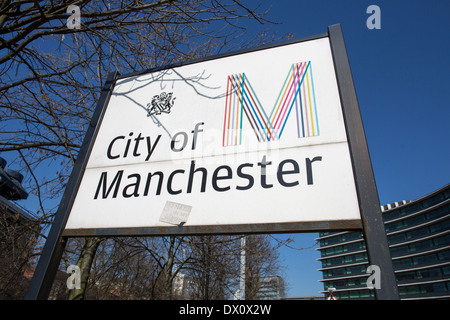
(418,234)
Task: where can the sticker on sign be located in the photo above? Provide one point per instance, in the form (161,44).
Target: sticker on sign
(175,213)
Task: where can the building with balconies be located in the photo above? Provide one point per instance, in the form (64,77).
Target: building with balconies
(418,234)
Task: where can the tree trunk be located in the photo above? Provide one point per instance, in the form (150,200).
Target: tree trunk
(84,263)
(168,270)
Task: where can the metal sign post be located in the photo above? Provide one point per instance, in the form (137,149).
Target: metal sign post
(50,258)
(373,226)
(302,193)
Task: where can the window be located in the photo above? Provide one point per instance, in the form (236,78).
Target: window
(446,270)
(434,272)
(361,257)
(442,240)
(414,221)
(417,233)
(420,246)
(397,238)
(444,255)
(398,251)
(439,212)
(402,263)
(342,295)
(442,226)
(415,289)
(356,269)
(349,259)
(425,259)
(394,226)
(433,200)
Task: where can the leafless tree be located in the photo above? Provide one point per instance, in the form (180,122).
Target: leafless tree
(262,261)
(123,268)
(150,267)
(213,267)
(51,75)
(18,236)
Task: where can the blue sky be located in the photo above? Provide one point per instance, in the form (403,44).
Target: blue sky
(401,74)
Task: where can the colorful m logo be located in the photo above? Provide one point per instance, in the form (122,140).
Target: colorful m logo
(296,93)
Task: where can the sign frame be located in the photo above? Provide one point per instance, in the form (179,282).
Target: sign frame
(254,223)
(371,219)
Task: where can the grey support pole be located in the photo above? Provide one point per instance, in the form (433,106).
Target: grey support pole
(373,226)
(50,258)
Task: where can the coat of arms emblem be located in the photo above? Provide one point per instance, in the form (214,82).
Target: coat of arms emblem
(160,103)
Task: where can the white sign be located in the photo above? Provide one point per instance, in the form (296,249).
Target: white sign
(247,139)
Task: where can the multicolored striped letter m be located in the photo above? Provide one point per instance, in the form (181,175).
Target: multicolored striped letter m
(297,93)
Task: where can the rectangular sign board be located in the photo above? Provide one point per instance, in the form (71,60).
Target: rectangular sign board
(267,140)
(248,142)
